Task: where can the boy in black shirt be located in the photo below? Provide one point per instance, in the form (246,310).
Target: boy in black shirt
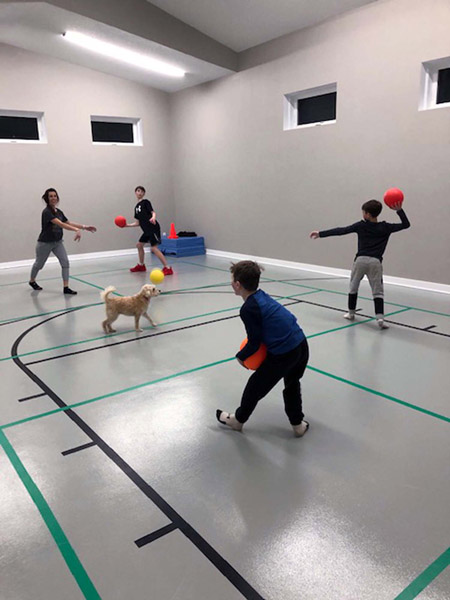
(146,219)
(372,241)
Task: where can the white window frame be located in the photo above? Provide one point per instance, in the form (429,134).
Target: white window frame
(429,83)
(290,106)
(42,130)
(137,130)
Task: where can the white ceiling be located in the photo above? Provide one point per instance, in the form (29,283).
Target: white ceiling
(38,27)
(242,24)
(237,24)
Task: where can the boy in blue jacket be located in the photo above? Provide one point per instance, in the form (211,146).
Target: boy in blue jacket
(267,321)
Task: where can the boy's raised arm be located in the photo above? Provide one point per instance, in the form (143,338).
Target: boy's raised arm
(403,218)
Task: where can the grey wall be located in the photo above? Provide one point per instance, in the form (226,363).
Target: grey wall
(95,183)
(251,187)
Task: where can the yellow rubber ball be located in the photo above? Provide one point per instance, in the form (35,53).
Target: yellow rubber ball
(156,276)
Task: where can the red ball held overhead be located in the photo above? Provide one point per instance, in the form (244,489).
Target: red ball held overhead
(120,221)
(254,361)
(393,196)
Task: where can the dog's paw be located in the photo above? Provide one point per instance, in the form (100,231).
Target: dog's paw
(112,331)
(139,330)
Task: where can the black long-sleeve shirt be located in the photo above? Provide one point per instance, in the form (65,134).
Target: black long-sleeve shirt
(372,237)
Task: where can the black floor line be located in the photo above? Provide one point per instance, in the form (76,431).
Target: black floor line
(305,279)
(78,448)
(151,537)
(31,397)
(429,327)
(199,542)
(372,316)
(63,310)
(141,337)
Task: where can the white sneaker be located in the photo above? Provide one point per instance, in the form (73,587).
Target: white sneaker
(300,430)
(350,316)
(230,420)
(381,324)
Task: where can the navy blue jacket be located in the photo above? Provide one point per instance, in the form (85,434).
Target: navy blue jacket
(269,322)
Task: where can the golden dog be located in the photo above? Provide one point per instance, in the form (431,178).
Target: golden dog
(136,306)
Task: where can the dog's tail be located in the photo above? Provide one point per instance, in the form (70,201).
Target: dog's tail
(105,293)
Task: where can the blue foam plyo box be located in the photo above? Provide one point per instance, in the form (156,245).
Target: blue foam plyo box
(183,246)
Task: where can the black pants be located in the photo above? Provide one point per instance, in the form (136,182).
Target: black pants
(290,367)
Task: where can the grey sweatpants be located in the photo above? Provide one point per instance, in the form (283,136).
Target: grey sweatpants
(43,250)
(372,267)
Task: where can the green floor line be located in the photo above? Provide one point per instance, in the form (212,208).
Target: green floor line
(110,335)
(219,362)
(426,577)
(98,287)
(116,393)
(188,262)
(59,276)
(396,312)
(432,312)
(68,553)
(51,312)
(380,394)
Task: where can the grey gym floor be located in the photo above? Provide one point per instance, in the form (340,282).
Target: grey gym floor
(357,509)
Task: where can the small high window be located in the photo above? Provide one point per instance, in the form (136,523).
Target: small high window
(22,126)
(314,106)
(443,86)
(435,84)
(317,109)
(116,130)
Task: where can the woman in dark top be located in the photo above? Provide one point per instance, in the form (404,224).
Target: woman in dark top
(50,239)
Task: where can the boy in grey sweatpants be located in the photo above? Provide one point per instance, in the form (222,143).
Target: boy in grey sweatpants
(373,237)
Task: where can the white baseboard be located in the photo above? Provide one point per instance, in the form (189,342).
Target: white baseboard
(428,286)
(72,257)
(417,284)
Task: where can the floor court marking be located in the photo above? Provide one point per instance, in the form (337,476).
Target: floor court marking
(70,557)
(31,397)
(168,331)
(109,336)
(59,277)
(142,337)
(151,537)
(402,596)
(19,363)
(222,565)
(270,280)
(88,340)
(426,577)
(78,448)
(52,312)
(45,314)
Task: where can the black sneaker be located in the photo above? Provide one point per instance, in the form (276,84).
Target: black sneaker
(67,290)
(35,286)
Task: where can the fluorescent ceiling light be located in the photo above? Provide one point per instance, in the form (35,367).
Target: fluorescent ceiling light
(113,51)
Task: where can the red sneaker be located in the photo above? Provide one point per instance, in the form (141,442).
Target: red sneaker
(167,271)
(138,268)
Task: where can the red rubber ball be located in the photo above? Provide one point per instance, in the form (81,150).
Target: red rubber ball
(393,196)
(120,221)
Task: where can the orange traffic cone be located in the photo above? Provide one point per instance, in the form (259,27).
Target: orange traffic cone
(173,233)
